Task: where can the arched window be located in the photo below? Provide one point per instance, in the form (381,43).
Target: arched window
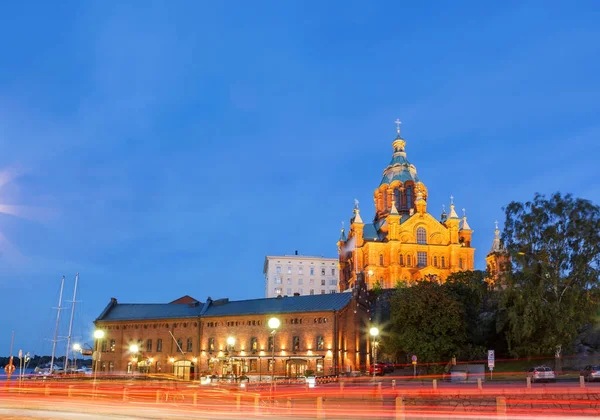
(385,203)
(435,261)
(443,262)
(380,259)
(421,236)
(397,199)
(409,197)
(408,261)
(401,259)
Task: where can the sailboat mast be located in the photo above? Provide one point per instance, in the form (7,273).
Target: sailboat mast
(71,323)
(62,284)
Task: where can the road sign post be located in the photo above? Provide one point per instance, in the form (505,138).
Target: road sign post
(491,362)
(414,362)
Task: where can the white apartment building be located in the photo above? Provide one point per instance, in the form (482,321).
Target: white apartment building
(290,274)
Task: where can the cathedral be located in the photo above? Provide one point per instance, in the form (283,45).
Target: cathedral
(403,242)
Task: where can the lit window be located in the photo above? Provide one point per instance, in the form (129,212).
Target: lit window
(320,343)
(401,259)
(421,236)
(270,344)
(253,344)
(104,345)
(190,345)
(148,345)
(422,259)
(112,345)
(159,345)
(211,344)
(296,343)
(278,290)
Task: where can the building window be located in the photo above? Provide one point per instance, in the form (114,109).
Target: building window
(401,259)
(397,199)
(408,261)
(300,291)
(322,282)
(148,345)
(333,282)
(296,343)
(409,197)
(380,259)
(322,271)
(277,279)
(289,271)
(270,344)
(211,344)
(312,271)
(159,345)
(333,271)
(277,290)
(421,236)
(422,259)
(311,281)
(312,291)
(253,344)
(111,366)
(179,344)
(322,291)
(443,262)
(104,345)
(190,345)
(289,290)
(435,261)
(300,270)
(460,263)
(112,345)
(319,365)
(278,270)
(320,343)
(300,281)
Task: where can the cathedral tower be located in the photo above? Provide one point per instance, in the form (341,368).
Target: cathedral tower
(403,242)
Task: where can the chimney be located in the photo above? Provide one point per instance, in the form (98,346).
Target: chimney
(296,252)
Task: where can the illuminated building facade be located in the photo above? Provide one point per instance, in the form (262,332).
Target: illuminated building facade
(326,334)
(403,242)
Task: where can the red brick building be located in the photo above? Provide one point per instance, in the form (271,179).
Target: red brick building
(326,334)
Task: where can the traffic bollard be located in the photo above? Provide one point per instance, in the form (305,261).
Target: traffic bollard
(400,408)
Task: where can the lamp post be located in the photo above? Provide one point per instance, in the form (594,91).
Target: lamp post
(230,344)
(134,349)
(98,335)
(76,348)
(273,324)
(374,331)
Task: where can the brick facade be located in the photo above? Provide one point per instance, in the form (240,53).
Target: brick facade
(324,341)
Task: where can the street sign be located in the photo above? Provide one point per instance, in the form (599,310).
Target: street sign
(414,359)
(491,359)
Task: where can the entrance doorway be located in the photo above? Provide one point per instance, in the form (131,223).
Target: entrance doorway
(296,367)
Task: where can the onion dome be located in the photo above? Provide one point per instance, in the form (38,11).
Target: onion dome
(400,168)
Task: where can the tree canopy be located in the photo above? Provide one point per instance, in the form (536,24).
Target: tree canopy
(552,284)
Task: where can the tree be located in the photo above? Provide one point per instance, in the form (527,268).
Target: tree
(426,320)
(552,286)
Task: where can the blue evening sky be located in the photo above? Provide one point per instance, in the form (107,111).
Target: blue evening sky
(164,148)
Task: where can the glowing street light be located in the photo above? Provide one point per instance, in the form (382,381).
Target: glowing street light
(134,348)
(273,324)
(98,335)
(374,331)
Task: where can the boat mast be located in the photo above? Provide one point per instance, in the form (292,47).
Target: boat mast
(71,323)
(62,284)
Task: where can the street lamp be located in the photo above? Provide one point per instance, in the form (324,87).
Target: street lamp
(230,343)
(134,349)
(374,331)
(98,335)
(273,324)
(76,348)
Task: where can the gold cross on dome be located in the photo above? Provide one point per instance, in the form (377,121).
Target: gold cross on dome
(398,122)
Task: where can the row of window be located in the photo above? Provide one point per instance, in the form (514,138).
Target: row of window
(320,344)
(214,324)
(279,291)
(279,280)
(422,260)
(301,270)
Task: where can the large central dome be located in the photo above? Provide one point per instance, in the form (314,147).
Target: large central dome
(399,169)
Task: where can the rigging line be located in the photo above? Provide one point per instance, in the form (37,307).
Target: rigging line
(176,343)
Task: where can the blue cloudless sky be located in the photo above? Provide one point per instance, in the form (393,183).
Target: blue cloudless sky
(164,148)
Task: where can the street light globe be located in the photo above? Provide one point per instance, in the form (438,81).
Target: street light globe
(370,272)
(274,323)
(134,348)
(230,341)
(374,331)
(98,334)
(76,347)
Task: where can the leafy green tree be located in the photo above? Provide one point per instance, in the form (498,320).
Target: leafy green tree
(552,286)
(426,320)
